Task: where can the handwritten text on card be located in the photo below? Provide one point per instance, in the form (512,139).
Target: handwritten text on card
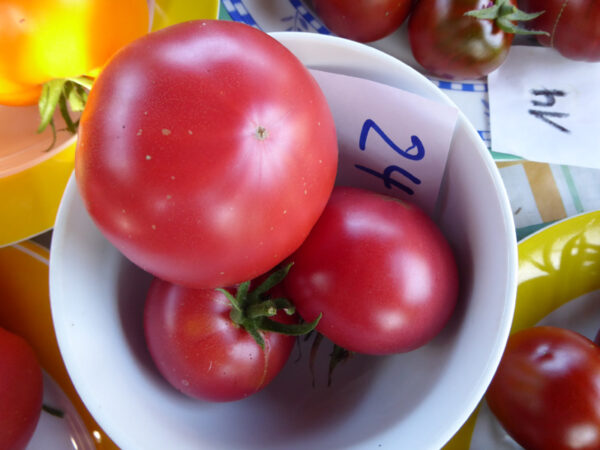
(391,141)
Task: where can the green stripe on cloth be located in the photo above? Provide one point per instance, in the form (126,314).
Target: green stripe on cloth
(572,189)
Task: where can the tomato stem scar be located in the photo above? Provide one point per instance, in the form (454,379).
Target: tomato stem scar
(261,133)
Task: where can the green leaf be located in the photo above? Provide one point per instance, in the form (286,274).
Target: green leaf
(490,13)
(505,14)
(522,16)
(242,293)
(64,112)
(51,93)
(84,82)
(257,336)
(232,299)
(272,280)
(290,329)
(76,96)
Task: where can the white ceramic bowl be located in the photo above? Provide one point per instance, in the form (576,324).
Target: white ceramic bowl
(416,400)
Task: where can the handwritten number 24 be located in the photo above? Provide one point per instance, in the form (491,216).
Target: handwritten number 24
(415,152)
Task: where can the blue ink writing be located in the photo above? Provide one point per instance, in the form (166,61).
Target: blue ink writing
(415,152)
(416,142)
(386,176)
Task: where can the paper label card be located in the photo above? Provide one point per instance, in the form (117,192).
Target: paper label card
(546,108)
(390,140)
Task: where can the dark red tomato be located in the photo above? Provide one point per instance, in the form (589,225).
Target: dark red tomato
(206,153)
(379,270)
(573,26)
(546,392)
(450,45)
(200,351)
(362,20)
(21,391)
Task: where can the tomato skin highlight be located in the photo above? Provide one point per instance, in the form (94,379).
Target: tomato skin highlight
(21,391)
(201,352)
(362,20)
(206,153)
(379,270)
(546,391)
(573,27)
(451,45)
(42,40)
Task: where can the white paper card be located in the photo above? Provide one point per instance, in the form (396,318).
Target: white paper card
(391,141)
(546,108)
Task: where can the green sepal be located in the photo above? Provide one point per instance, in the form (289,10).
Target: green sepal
(51,93)
(59,93)
(256,334)
(272,280)
(251,309)
(64,111)
(289,329)
(504,14)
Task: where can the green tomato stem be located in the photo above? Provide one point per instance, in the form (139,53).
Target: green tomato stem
(252,309)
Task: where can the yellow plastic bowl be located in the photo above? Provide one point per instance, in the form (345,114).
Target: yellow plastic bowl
(558,265)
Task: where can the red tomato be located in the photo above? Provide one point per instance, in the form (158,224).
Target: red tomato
(546,392)
(362,20)
(573,26)
(451,45)
(379,270)
(21,391)
(201,351)
(206,153)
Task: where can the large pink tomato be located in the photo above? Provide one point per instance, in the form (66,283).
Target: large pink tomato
(207,152)
(380,272)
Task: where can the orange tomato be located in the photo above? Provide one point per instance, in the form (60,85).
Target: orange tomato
(42,40)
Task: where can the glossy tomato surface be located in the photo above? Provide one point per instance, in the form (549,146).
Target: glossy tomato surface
(546,391)
(362,20)
(573,26)
(42,40)
(450,45)
(201,352)
(379,270)
(21,391)
(206,153)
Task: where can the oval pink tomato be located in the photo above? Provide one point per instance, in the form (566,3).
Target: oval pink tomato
(573,26)
(199,349)
(378,269)
(363,20)
(546,391)
(207,152)
(21,391)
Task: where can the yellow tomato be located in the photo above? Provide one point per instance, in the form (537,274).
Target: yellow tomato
(42,40)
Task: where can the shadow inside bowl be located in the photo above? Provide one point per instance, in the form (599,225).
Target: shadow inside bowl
(291,411)
(133,284)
